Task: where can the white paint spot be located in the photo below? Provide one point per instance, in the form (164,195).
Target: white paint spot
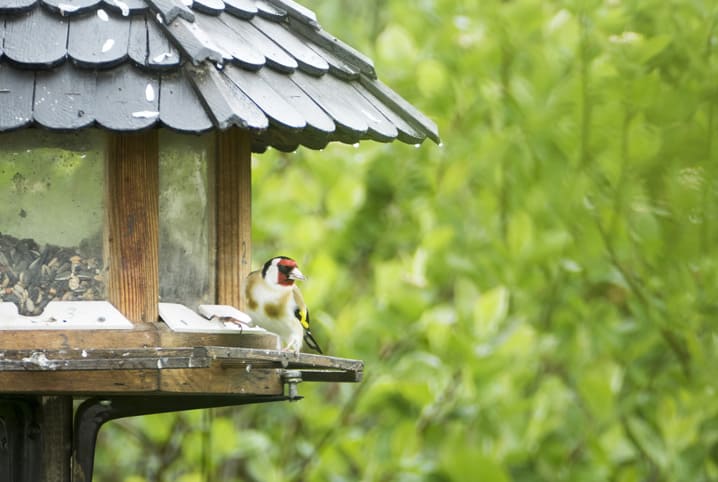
(145,114)
(159,18)
(162,57)
(107,46)
(67,8)
(84,353)
(123,7)
(103,15)
(149,93)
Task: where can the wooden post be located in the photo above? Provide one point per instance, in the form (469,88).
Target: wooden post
(132,227)
(233,184)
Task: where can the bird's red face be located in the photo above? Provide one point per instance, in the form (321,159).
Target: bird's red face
(287,272)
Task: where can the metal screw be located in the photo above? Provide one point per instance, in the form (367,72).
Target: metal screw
(292,378)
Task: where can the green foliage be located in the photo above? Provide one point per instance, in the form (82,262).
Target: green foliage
(535,299)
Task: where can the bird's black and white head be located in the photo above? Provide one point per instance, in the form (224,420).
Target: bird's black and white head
(281,271)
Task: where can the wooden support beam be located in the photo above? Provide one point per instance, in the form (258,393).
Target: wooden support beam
(132,226)
(233,188)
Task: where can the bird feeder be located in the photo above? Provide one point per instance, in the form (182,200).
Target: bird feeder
(126,133)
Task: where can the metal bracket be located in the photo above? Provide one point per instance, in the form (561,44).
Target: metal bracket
(94,412)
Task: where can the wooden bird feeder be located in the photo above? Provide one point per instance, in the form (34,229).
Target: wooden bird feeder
(126,134)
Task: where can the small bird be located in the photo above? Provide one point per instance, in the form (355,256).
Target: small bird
(275,303)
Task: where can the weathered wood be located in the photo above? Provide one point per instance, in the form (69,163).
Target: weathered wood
(70,7)
(229,105)
(319,124)
(279,111)
(55,420)
(132,226)
(194,42)
(15,97)
(211,7)
(243,52)
(95,42)
(143,335)
(181,109)
(161,54)
(306,58)
(79,383)
(171,9)
(244,9)
(283,359)
(65,98)
(349,122)
(408,112)
(221,380)
(15,6)
(276,57)
(22,32)
(233,190)
(131,98)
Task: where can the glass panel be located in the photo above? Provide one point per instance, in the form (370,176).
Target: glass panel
(186,259)
(51,218)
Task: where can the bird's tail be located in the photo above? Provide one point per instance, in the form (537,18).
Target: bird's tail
(311,342)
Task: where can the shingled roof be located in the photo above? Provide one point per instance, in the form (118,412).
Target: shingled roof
(127,65)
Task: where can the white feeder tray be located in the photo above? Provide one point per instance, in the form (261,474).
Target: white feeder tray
(66,315)
(208,319)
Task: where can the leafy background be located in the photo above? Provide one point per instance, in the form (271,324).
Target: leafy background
(534,299)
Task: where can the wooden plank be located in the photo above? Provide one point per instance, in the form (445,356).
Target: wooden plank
(232,43)
(349,122)
(266,341)
(180,107)
(379,127)
(306,58)
(337,66)
(228,105)
(404,109)
(279,111)
(65,97)
(283,359)
(131,98)
(194,42)
(296,11)
(161,53)
(78,383)
(244,9)
(275,56)
(137,43)
(318,123)
(406,133)
(22,32)
(233,194)
(141,335)
(70,7)
(211,7)
(171,9)
(126,7)
(15,6)
(16,89)
(132,240)
(99,40)
(339,48)
(219,380)
(269,11)
(94,359)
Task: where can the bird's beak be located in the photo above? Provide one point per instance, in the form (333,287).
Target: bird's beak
(296,274)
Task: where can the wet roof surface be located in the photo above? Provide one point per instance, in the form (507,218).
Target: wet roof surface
(127,65)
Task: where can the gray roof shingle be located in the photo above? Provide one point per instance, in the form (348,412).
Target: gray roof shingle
(126,65)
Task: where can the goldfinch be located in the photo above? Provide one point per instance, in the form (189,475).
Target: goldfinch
(275,303)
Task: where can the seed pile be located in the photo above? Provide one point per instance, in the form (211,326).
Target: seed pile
(31,275)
